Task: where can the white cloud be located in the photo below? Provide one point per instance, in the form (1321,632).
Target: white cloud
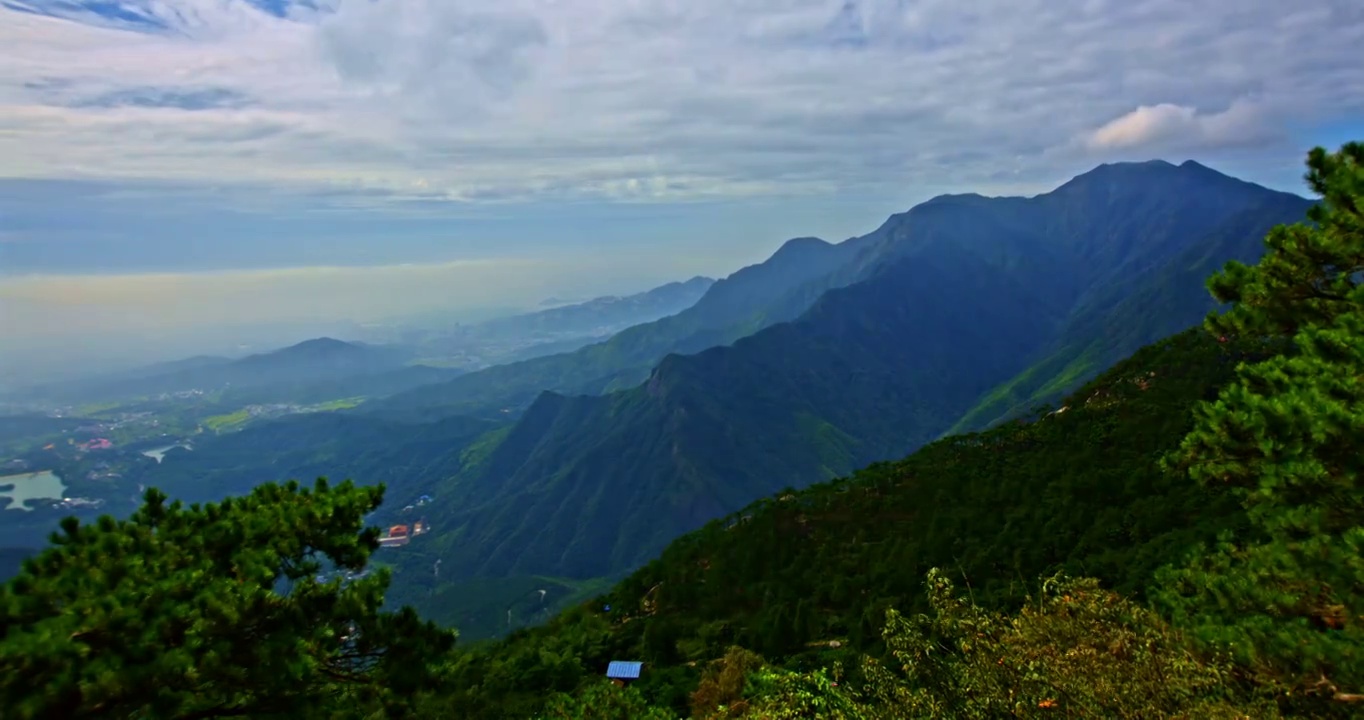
(1166,124)
(657,99)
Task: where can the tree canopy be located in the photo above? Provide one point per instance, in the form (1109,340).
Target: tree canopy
(1288,439)
(264,606)
(218,610)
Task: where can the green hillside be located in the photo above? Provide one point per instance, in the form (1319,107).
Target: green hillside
(1137,310)
(1182,538)
(959,319)
(975,306)
(1080,491)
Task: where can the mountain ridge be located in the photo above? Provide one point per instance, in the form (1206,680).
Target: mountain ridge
(607,310)
(957,302)
(783,575)
(727,311)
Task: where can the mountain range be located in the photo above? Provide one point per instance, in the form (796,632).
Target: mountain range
(600,314)
(959,313)
(324,369)
(965,465)
(746,301)
(558,329)
(804,578)
(953,316)
(317,367)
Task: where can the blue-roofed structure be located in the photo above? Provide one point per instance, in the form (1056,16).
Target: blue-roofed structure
(621,670)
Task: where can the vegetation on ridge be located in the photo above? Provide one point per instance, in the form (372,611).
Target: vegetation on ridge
(1248,437)
(213,611)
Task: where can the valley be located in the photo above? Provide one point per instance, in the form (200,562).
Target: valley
(568,472)
(979,389)
(660,360)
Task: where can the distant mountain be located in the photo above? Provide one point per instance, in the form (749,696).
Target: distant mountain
(598,314)
(953,312)
(198,362)
(748,300)
(309,367)
(321,355)
(558,301)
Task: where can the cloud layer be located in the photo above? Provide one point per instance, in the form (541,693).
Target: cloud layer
(198,146)
(656,100)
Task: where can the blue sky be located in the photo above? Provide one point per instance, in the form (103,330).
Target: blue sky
(184,163)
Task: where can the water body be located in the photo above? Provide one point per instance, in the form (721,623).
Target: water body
(158,453)
(32,486)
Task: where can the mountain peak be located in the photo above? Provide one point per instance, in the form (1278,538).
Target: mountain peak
(322,344)
(1152,173)
(314,349)
(801,244)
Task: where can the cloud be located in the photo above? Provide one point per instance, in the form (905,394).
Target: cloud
(653,100)
(1164,124)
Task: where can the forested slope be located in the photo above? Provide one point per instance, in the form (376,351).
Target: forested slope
(1143,304)
(971,309)
(1079,490)
(1248,430)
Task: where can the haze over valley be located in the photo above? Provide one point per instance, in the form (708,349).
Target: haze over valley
(860,359)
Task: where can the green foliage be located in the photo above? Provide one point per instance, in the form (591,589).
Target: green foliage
(784,695)
(1080,490)
(792,575)
(1074,651)
(723,684)
(218,610)
(514,678)
(1288,440)
(1310,274)
(601,700)
(209,611)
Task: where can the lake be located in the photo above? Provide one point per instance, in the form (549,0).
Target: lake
(158,453)
(32,486)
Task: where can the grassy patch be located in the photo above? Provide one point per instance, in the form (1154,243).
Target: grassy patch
(342,404)
(219,423)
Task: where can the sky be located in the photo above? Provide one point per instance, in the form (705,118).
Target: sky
(205,169)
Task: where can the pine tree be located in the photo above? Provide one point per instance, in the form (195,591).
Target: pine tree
(213,611)
(1288,438)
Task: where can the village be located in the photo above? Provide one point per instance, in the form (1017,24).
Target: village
(401,534)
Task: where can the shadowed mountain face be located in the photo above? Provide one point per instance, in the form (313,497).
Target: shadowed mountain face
(1075,491)
(952,314)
